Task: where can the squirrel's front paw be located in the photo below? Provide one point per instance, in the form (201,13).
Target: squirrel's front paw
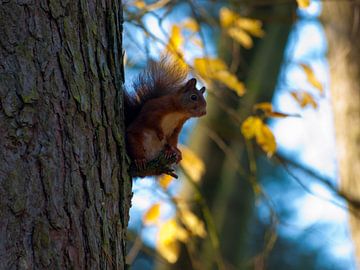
(140,164)
(178,155)
(169,153)
(172,153)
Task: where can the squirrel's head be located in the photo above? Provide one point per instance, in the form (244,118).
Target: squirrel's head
(192,99)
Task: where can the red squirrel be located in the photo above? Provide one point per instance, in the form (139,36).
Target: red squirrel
(155,113)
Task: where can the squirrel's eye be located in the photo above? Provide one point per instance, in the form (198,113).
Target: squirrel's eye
(193,97)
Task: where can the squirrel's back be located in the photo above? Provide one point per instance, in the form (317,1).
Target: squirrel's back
(158,79)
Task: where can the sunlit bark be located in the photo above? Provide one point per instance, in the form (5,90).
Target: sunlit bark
(342,24)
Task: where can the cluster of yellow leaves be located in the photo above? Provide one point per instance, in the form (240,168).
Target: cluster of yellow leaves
(304,98)
(239,28)
(303,3)
(254,126)
(168,245)
(192,222)
(215,69)
(172,232)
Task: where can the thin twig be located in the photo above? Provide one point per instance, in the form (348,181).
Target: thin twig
(354,203)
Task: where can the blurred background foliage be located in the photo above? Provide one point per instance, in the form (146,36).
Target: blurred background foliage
(244,197)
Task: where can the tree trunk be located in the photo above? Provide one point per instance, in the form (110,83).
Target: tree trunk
(64,188)
(341,22)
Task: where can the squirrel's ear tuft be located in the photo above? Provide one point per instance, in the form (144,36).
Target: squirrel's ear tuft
(202,90)
(191,83)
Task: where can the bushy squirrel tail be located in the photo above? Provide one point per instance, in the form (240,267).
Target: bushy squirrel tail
(158,79)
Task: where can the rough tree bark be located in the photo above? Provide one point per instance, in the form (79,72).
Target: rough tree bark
(64,188)
(342,26)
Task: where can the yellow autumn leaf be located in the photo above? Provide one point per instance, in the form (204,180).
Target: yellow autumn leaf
(169,250)
(206,67)
(266,140)
(227,17)
(264,106)
(152,214)
(303,3)
(150,7)
(192,164)
(216,69)
(311,77)
(176,39)
(139,4)
(240,36)
(250,126)
(230,81)
(170,233)
(308,100)
(174,45)
(165,180)
(254,127)
(251,25)
(193,223)
(304,99)
(191,24)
